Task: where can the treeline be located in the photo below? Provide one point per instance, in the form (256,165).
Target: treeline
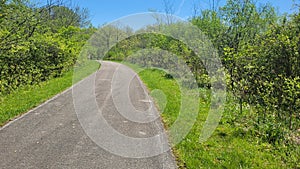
(150,50)
(155,46)
(260,51)
(39,42)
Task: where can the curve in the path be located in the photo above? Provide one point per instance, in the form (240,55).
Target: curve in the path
(51,136)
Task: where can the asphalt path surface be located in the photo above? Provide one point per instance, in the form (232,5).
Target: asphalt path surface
(60,133)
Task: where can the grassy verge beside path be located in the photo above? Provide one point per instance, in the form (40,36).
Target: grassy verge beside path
(227,147)
(26,98)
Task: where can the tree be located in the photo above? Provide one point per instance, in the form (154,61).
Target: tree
(31,49)
(59,16)
(107,36)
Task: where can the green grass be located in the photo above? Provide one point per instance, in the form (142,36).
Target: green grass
(226,148)
(26,98)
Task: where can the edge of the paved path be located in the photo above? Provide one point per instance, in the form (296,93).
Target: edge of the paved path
(22,115)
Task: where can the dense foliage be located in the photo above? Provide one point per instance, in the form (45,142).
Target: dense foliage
(260,51)
(38,42)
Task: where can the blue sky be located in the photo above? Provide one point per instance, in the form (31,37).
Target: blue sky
(105,11)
